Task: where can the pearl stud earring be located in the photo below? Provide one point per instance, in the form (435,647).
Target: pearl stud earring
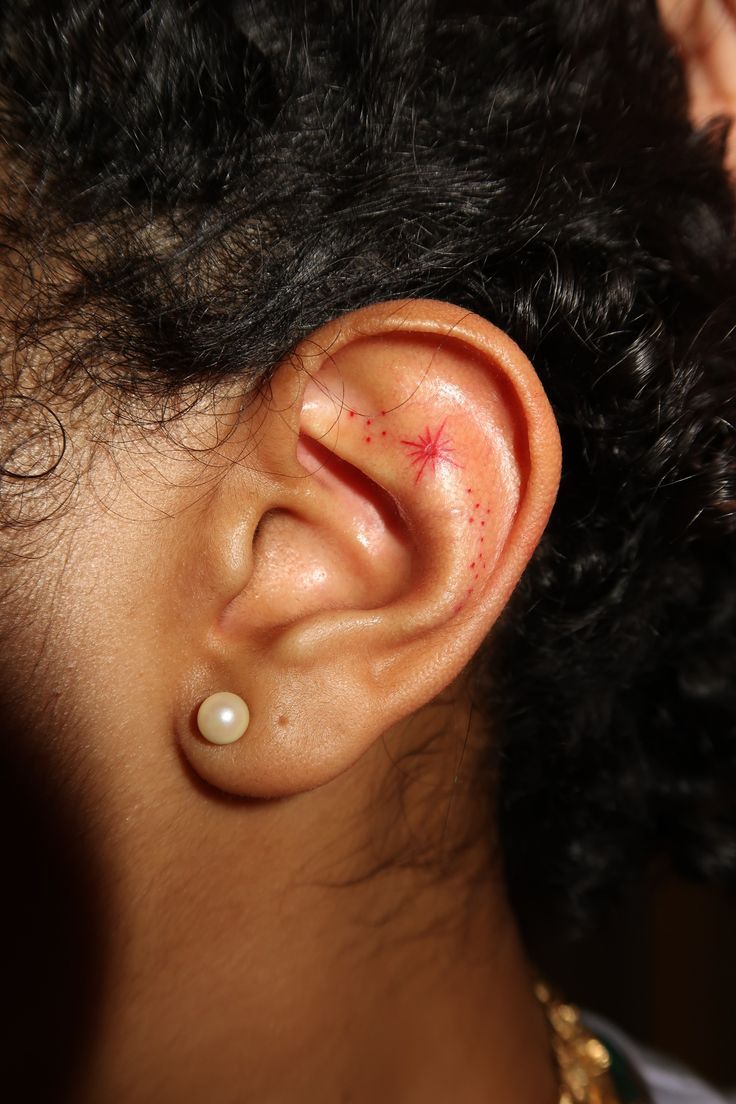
(222,718)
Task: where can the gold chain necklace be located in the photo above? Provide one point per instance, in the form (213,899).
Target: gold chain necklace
(583,1062)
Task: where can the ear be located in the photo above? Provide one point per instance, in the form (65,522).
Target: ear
(401,479)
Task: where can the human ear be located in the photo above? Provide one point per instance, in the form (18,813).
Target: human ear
(405,471)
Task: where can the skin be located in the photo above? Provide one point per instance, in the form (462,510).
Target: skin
(704,34)
(317,912)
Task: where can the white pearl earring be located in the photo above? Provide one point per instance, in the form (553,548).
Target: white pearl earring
(222,718)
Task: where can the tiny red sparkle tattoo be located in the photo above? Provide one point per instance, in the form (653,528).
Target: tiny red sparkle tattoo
(430,448)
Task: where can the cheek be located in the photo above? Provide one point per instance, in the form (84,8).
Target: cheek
(86,665)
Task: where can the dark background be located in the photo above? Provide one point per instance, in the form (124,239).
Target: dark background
(663,967)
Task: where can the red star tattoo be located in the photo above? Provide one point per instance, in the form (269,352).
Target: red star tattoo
(430,448)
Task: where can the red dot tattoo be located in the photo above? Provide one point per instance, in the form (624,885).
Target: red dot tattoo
(430,449)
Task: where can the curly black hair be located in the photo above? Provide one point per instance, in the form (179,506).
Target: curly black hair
(192,187)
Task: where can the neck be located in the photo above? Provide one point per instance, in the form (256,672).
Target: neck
(276,951)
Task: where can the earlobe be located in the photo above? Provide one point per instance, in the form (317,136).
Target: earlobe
(430,461)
